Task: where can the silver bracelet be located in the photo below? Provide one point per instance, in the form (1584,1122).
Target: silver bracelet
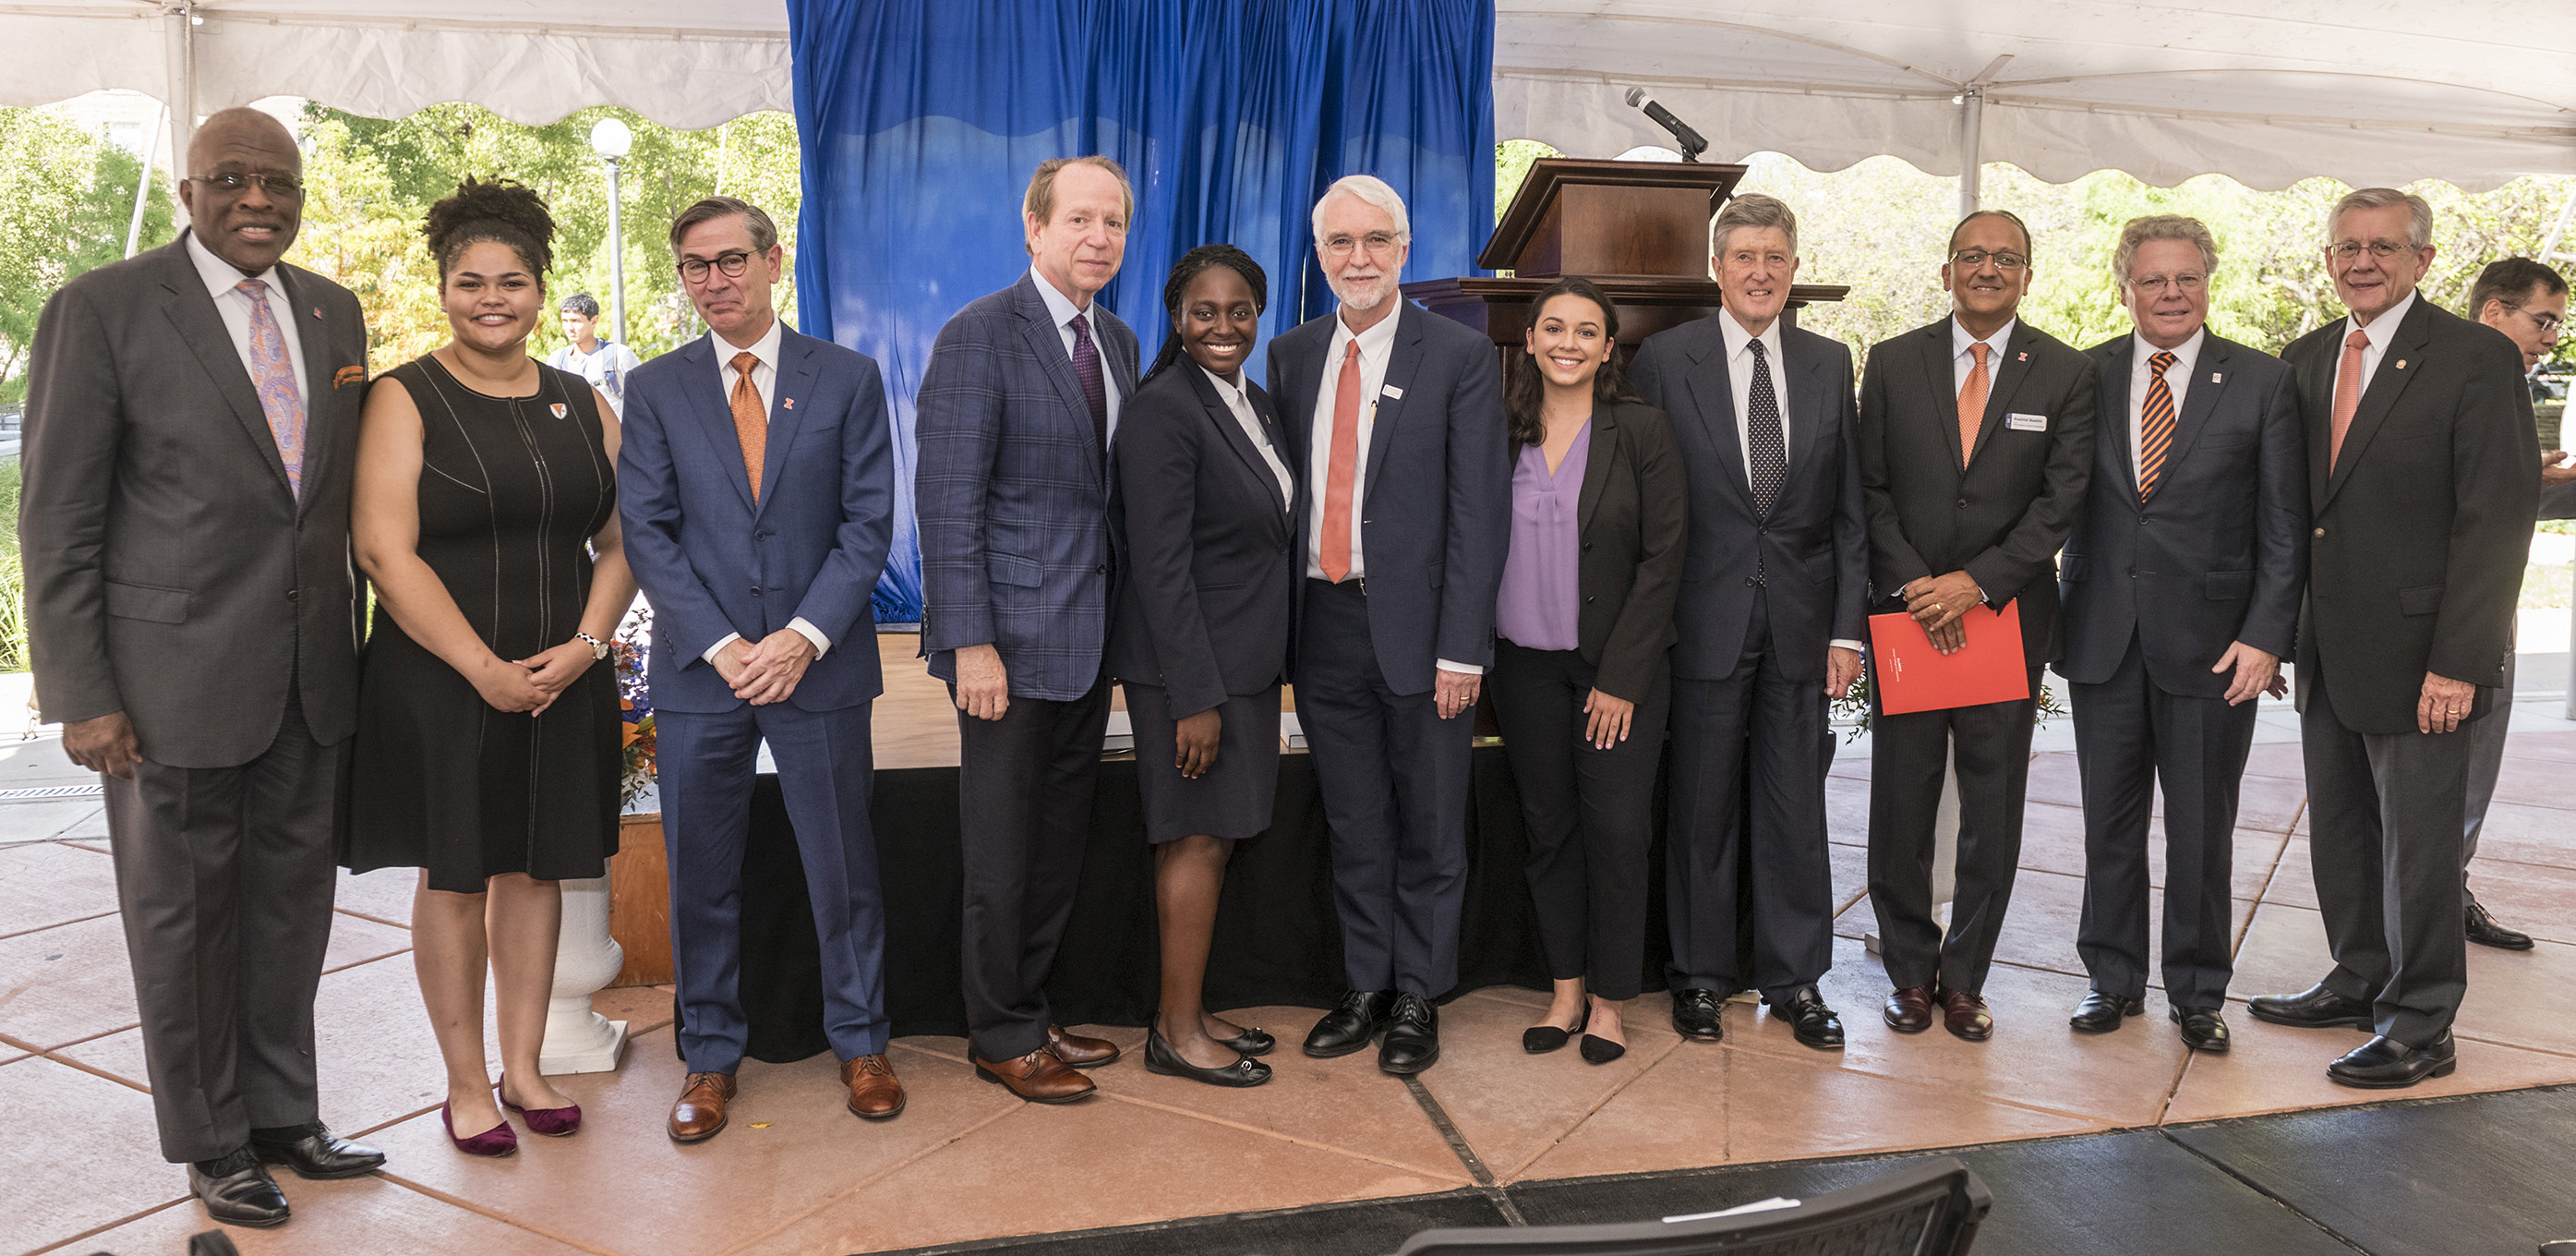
(598,648)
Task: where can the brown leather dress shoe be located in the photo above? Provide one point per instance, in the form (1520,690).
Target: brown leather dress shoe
(1909,1011)
(700,1111)
(1965,1016)
(1038,1077)
(874,1092)
(1079,1051)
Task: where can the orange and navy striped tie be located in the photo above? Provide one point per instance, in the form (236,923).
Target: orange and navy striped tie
(2155,424)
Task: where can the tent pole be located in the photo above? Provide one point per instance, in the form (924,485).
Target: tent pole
(143,181)
(1972,109)
(2549,244)
(179,61)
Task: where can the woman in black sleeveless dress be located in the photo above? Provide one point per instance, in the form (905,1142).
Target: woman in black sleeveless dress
(488,751)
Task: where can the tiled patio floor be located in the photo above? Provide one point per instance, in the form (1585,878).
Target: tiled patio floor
(796,1174)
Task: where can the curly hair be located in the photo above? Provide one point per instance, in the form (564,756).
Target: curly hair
(504,211)
(1525,390)
(1191,265)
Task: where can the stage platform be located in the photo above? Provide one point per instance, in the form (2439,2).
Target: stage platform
(2094,1144)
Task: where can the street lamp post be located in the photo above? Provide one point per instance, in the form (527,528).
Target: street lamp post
(611,139)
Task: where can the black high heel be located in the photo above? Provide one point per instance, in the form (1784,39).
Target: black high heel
(1161,1058)
(1541,1039)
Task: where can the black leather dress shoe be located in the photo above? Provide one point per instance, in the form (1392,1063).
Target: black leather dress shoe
(1698,1013)
(2387,1064)
(1412,1036)
(1250,1042)
(2484,931)
(315,1152)
(237,1190)
(1351,1026)
(1814,1023)
(2203,1029)
(2101,1013)
(2313,1008)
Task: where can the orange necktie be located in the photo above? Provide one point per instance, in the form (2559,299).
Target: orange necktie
(2347,398)
(1335,556)
(1972,403)
(750,419)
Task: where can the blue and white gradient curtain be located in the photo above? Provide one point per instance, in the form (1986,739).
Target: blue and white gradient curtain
(921,120)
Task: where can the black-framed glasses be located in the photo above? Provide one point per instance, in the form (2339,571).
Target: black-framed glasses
(285,187)
(2379,250)
(730,264)
(1974,258)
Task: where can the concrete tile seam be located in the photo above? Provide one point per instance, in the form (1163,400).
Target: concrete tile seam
(60,1245)
(77,920)
(1594,1110)
(900,1164)
(1308,1143)
(496,1215)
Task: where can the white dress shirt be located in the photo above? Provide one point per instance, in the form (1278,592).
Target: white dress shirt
(2177,379)
(222,283)
(1062,309)
(1239,401)
(1962,361)
(764,379)
(1377,347)
(2380,331)
(1739,381)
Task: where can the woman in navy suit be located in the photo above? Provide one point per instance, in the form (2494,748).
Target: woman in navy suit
(1201,513)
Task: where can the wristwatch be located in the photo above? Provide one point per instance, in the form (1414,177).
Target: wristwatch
(598,648)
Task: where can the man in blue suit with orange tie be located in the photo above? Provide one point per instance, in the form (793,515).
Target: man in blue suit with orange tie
(2182,580)
(1019,405)
(757,489)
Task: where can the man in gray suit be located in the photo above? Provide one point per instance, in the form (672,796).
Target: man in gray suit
(191,419)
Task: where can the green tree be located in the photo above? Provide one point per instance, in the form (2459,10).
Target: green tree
(65,197)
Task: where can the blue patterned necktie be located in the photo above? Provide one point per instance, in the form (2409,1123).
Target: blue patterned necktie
(1086,371)
(1770,453)
(273,375)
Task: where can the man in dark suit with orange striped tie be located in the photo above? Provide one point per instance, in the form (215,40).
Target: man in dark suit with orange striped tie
(2182,581)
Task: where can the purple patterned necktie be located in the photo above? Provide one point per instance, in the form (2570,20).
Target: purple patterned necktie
(273,375)
(1086,371)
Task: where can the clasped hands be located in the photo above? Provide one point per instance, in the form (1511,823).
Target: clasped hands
(528,686)
(1938,603)
(768,672)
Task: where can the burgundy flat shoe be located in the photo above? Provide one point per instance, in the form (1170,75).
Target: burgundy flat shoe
(551,1122)
(500,1140)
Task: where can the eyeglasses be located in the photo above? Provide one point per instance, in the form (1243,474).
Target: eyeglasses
(731,264)
(1975,258)
(285,187)
(2380,250)
(1378,244)
(1776,261)
(2550,325)
(2188,281)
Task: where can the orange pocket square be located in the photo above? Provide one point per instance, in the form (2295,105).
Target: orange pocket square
(348,375)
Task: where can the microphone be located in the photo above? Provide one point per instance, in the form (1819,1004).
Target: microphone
(1691,141)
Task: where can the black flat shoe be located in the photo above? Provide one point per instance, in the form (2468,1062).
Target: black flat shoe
(2484,931)
(1813,1023)
(2101,1013)
(1599,1050)
(237,1190)
(2313,1008)
(1250,1042)
(1161,1058)
(1697,1013)
(1541,1039)
(315,1152)
(2386,1064)
(1412,1036)
(2203,1029)
(1351,1026)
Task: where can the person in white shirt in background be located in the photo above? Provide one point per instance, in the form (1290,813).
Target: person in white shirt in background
(603,362)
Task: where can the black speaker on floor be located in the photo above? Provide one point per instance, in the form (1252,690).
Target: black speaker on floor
(1931,1208)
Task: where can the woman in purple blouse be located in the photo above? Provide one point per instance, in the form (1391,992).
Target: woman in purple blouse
(1580,680)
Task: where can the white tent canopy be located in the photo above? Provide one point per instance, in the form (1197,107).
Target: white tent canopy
(2268,91)
(2475,92)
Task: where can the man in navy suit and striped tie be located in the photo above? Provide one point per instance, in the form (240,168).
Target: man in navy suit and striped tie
(2182,580)
(1018,408)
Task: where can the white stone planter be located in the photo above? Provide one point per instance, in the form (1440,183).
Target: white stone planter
(578,1039)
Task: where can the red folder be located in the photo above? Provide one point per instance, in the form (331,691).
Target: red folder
(1912,676)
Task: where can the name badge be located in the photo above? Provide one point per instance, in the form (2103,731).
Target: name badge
(2026,422)
(1393,391)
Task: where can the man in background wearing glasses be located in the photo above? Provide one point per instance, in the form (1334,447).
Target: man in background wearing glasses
(192,416)
(2421,493)
(1976,442)
(2526,301)
(2182,581)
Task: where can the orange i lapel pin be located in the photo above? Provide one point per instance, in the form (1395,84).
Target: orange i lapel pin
(788,404)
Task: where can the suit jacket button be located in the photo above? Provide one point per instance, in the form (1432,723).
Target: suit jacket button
(290,594)
(755,590)
(2321,532)
(1101,570)
(1963,503)
(1589,599)
(1587,545)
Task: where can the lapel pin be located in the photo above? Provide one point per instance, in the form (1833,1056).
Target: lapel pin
(317,311)
(2022,358)
(2401,364)
(788,404)
(2215,377)
(558,408)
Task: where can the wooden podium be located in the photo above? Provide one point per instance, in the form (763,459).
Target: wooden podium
(1637,228)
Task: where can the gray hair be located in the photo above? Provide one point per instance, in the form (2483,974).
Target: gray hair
(1753,211)
(764,232)
(2419,216)
(1370,190)
(2161,227)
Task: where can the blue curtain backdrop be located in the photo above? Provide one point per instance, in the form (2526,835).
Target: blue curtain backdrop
(921,120)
